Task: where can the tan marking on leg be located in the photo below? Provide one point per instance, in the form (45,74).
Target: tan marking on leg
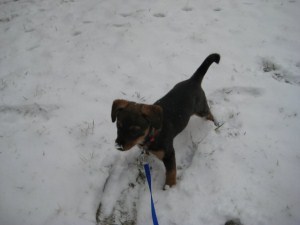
(159,154)
(208,116)
(171,178)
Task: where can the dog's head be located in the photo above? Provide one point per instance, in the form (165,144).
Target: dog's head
(134,122)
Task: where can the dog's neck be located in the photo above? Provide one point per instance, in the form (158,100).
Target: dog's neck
(150,138)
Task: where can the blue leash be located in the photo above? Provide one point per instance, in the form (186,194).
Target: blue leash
(148,175)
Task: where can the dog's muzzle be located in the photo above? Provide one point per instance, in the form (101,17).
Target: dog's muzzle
(119,146)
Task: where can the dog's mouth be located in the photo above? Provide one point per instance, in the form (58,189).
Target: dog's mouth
(119,147)
(124,147)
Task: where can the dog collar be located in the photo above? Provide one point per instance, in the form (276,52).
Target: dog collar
(150,138)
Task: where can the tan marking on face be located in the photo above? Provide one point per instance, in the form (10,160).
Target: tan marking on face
(159,154)
(137,141)
(171,178)
(119,124)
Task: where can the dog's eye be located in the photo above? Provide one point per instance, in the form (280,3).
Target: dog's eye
(135,131)
(119,124)
(135,128)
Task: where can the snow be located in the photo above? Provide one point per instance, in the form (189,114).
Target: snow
(63,62)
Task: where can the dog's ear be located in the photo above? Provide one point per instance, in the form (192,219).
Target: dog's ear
(117,105)
(154,114)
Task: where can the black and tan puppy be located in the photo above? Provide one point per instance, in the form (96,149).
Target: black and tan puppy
(153,127)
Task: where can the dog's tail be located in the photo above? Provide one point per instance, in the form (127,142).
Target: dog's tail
(201,71)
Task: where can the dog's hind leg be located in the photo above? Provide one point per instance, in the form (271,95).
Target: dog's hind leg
(206,113)
(209,116)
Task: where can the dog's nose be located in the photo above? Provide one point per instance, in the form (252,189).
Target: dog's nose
(118,145)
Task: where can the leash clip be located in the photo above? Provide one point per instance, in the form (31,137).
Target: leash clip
(143,158)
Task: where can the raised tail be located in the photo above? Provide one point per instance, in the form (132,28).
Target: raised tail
(201,71)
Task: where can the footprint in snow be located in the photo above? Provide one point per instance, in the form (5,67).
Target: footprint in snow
(187,9)
(76,33)
(217,9)
(230,92)
(159,15)
(4,20)
(277,73)
(121,25)
(31,110)
(135,13)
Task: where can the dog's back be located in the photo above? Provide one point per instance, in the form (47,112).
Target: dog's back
(187,98)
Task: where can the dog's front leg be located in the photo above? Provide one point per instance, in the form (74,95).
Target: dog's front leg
(170,164)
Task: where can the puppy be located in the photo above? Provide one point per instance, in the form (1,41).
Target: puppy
(154,127)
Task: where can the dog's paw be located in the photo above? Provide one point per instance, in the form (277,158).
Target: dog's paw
(218,124)
(166,187)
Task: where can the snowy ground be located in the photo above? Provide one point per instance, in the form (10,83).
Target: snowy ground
(63,62)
